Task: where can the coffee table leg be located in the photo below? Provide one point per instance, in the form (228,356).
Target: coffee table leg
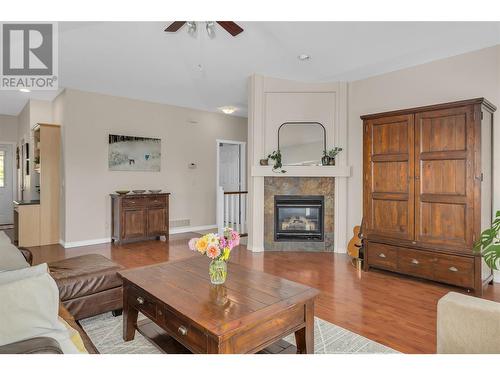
(129,319)
(304,337)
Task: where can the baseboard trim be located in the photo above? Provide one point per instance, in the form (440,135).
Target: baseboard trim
(192,229)
(97,241)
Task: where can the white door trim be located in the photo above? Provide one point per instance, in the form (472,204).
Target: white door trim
(14,169)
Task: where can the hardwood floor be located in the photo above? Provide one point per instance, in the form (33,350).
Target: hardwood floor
(397,311)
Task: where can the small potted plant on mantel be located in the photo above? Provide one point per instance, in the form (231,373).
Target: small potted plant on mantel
(488,244)
(276,157)
(329,156)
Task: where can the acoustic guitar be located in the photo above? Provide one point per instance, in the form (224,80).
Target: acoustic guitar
(355,245)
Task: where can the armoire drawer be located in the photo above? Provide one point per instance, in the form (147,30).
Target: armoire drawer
(415,262)
(384,256)
(454,270)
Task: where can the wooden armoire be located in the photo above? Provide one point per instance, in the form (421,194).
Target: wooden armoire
(427,191)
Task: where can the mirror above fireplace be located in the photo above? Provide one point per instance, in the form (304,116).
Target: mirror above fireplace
(301,143)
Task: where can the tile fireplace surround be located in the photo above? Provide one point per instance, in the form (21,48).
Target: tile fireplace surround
(299,186)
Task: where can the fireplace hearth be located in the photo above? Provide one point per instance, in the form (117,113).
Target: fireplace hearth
(298,218)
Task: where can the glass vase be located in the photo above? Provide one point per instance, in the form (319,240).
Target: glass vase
(217,271)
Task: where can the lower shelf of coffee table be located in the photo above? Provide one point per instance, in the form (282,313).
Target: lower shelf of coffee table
(159,338)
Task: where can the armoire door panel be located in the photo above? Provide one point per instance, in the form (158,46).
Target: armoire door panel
(386,173)
(390,218)
(443,130)
(442,220)
(390,137)
(444,177)
(389,185)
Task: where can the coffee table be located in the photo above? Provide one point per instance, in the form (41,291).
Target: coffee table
(251,311)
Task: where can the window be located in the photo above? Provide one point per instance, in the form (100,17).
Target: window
(2,168)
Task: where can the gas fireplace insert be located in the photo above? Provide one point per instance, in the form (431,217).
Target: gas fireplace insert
(298,217)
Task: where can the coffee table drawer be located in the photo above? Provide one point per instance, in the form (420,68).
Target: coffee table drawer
(184,332)
(142,302)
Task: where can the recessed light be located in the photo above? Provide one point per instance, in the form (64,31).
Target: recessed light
(303,57)
(25,90)
(228,109)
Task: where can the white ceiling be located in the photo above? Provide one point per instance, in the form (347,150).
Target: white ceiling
(139,60)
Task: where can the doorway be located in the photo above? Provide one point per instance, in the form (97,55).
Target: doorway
(231,185)
(231,169)
(7,183)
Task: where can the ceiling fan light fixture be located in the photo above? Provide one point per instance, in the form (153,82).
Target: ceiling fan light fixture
(228,109)
(210,25)
(191,28)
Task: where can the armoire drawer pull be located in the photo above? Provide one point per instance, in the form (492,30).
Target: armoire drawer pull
(414,261)
(382,255)
(453,269)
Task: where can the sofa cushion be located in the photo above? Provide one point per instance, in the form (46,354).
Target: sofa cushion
(85,275)
(11,258)
(23,273)
(29,309)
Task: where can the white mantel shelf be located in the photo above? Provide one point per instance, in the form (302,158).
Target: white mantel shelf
(303,171)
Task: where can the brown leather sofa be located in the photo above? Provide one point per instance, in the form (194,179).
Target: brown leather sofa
(88,285)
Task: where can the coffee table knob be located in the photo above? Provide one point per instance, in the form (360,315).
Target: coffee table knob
(140,300)
(183,330)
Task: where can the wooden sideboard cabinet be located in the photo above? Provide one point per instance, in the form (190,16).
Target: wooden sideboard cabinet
(428,191)
(137,217)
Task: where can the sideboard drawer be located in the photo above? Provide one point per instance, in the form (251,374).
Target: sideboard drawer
(157,201)
(142,302)
(134,202)
(384,256)
(416,263)
(184,332)
(455,270)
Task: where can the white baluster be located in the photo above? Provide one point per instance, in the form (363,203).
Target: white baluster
(220,209)
(226,210)
(244,214)
(232,210)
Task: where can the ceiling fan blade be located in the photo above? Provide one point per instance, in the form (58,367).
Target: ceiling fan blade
(231,27)
(174,26)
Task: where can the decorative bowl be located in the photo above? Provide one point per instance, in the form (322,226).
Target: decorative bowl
(154,191)
(138,191)
(122,192)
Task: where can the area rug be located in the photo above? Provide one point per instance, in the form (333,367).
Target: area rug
(105,331)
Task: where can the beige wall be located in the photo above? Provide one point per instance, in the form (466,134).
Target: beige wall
(471,75)
(87,120)
(8,128)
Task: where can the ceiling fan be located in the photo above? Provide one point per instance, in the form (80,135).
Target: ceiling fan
(231,27)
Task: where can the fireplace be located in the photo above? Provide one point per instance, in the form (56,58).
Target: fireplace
(298,217)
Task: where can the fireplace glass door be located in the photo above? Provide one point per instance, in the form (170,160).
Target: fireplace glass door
(299,218)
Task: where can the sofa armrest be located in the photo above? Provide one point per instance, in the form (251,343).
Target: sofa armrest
(37,345)
(467,324)
(28,255)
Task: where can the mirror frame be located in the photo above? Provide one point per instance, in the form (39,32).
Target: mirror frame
(303,123)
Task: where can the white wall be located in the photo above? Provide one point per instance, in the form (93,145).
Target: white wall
(8,128)
(88,118)
(472,75)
